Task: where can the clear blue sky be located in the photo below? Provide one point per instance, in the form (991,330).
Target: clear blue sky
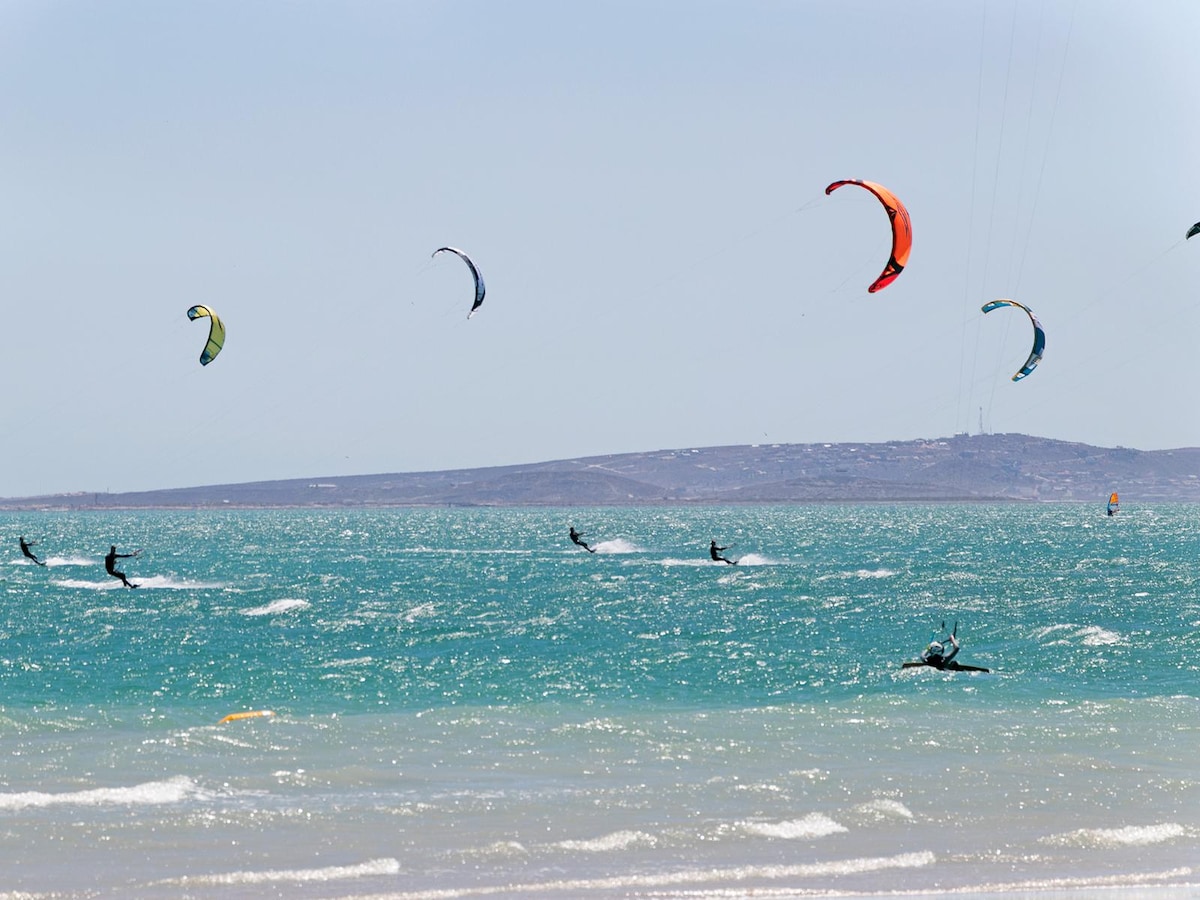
(642,186)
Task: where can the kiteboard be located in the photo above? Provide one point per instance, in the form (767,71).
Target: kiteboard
(249,714)
(949,667)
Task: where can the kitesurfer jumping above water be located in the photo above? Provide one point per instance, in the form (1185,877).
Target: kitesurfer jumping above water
(110,561)
(715,552)
(577,539)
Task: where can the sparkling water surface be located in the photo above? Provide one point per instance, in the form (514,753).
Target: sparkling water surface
(465,704)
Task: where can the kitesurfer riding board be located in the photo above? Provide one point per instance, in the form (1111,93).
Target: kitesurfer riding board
(27,553)
(715,552)
(936,657)
(110,560)
(577,540)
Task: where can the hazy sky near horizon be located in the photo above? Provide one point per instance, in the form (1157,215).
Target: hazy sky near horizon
(642,186)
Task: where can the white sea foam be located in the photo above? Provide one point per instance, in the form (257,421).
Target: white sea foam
(814,825)
(106,585)
(367,869)
(1129,836)
(746,561)
(167,582)
(277,606)
(152,582)
(172,790)
(55,561)
(875,573)
(754,559)
(616,545)
(883,808)
(618,840)
(1095,636)
(1049,630)
(1089,635)
(1137,879)
(733,874)
(420,611)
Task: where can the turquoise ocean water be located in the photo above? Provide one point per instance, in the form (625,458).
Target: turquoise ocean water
(466,705)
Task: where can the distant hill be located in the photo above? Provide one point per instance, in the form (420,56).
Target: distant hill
(992,467)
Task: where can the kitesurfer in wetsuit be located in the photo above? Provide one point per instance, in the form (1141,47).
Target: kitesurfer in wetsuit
(935,654)
(715,552)
(110,565)
(25,545)
(576,539)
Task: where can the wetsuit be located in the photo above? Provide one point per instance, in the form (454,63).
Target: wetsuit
(715,552)
(575,539)
(110,561)
(945,662)
(938,660)
(25,545)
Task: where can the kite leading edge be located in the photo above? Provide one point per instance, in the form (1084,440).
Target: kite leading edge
(216,333)
(901,230)
(1039,336)
(480,288)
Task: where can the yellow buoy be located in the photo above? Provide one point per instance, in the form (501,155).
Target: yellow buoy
(251,714)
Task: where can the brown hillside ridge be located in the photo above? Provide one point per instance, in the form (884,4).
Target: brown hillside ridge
(980,468)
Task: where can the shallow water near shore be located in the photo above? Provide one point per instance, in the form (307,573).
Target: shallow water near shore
(465,704)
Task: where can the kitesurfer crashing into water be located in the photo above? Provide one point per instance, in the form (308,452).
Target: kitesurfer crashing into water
(715,552)
(25,545)
(577,539)
(110,561)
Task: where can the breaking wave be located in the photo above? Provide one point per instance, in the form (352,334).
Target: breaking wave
(270,876)
(172,790)
(814,825)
